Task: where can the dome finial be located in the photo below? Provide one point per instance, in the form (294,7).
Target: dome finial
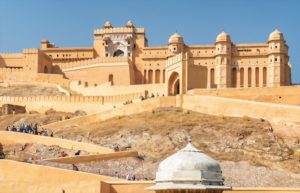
(189,139)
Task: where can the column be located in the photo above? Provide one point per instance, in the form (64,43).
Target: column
(261,77)
(161,80)
(208,78)
(238,77)
(246,77)
(253,80)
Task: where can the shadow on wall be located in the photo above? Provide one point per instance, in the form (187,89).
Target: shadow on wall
(57,70)
(2,62)
(2,156)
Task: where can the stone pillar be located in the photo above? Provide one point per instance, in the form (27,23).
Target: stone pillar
(253,80)
(246,77)
(208,78)
(261,77)
(238,77)
(161,80)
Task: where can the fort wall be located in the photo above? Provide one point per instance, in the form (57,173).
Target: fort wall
(275,113)
(108,89)
(90,104)
(30,178)
(15,137)
(283,94)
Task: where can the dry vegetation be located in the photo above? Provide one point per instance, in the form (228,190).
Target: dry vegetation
(248,150)
(29,90)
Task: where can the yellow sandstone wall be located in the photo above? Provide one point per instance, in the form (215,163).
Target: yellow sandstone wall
(283,94)
(139,187)
(275,113)
(139,107)
(108,89)
(16,177)
(14,137)
(90,104)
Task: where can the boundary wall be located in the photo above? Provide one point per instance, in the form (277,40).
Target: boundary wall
(282,94)
(139,187)
(108,89)
(89,104)
(276,114)
(7,138)
(16,177)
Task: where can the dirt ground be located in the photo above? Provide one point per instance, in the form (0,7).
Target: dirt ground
(248,150)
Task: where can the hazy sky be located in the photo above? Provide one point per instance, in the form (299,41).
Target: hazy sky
(69,23)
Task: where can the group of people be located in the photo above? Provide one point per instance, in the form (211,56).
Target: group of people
(130,177)
(28,128)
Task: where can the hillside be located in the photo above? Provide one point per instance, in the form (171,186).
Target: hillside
(246,143)
(249,152)
(29,90)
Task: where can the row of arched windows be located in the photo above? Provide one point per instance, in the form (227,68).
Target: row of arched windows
(238,77)
(154,76)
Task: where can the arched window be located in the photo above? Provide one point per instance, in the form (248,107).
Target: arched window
(118,53)
(45,69)
(233,77)
(212,78)
(145,76)
(249,77)
(242,77)
(157,76)
(257,77)
(150,76)
(111,78)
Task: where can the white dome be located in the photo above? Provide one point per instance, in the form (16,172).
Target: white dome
(276,35)
(189,168)
(129,24)
(222,37)
(107,24)
(175,38)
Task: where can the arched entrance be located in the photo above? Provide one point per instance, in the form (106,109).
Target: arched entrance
(45,69)
(118,53)
(174,84)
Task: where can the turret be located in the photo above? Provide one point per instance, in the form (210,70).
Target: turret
(278,60)
(175,44)
(107,25)
(223,60)
(129,24)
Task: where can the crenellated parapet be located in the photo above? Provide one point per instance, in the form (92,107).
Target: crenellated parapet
(30,51)
(118,30)
(95,61)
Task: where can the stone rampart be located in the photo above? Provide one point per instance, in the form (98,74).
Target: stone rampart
(90,104)
(283,94)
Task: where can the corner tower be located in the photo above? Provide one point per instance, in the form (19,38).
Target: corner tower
(278,59)
(223,60)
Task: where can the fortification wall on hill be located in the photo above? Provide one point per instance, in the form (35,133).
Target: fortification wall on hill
(90,104)
(30,178)
(275,113)
(108,89)
(15,137)
(283,94)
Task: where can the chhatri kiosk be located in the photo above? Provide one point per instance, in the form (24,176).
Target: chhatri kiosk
(189,171)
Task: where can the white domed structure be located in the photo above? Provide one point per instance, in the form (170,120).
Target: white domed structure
(107,24)
(175,38)
(223,37)
(276,35)
(189,169)
(129,24)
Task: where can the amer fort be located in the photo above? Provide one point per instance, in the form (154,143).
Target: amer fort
(124,117)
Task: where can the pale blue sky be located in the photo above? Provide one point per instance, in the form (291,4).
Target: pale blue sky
(70,23)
